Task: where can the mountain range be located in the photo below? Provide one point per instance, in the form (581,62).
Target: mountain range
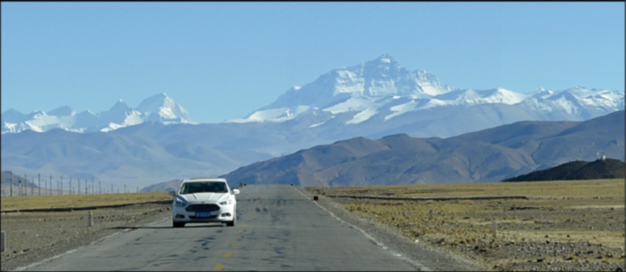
(158,108)
(158,141)
(488,155)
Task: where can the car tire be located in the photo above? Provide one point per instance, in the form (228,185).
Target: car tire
(178,224)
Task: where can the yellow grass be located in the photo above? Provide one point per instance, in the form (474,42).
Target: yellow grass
(65,201)
(590,211)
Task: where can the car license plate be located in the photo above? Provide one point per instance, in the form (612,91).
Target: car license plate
(203,214)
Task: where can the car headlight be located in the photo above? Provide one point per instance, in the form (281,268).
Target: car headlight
(226,202)
(180,202)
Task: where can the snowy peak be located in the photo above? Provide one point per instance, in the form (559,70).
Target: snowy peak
(383,87)
(162,108)
(157,108)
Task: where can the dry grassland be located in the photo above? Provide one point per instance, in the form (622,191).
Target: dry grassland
(66,201)
(564,225)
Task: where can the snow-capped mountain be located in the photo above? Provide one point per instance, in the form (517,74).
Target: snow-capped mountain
(382,88)
(160,108)
(375,97)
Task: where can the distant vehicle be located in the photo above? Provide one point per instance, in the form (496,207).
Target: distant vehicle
(204,200)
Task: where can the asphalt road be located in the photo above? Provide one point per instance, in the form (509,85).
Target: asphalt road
(278,228)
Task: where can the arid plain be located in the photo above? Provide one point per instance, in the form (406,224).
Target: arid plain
(555,226)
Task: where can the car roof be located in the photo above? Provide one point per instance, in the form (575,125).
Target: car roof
(204,179)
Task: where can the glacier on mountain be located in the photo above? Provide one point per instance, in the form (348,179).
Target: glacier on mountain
(159,108)
(375,87)
(379,89)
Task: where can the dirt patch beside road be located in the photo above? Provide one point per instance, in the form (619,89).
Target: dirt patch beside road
(35,236)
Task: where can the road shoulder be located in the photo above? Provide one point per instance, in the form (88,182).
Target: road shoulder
(429,257)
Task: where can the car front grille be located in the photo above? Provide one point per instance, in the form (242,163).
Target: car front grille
(194,217)
(203,208)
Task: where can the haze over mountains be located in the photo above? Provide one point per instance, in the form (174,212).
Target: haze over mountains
(489,155)
(157,141)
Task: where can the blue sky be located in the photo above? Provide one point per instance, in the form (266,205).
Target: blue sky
(222,61)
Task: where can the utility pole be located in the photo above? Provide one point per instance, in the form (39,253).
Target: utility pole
(78,191)
(11,183)
(39,180)
(124,188)
(50,190)
(99,187)
(70,185)
(111,188)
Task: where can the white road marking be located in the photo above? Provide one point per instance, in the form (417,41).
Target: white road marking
(414,263)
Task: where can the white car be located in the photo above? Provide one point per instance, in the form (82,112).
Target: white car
(204,200)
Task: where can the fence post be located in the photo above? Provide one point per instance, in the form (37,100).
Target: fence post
(32,187)
(90,219)
(431,214)
(494,225)
(4,240)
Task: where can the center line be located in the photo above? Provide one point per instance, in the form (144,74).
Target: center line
(227,254)
(218,267)
(234,245)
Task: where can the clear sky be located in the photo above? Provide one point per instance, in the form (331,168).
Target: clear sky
(222,61)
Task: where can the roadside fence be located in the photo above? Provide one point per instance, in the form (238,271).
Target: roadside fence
(13,184)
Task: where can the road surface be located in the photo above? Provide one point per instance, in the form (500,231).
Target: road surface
(278,228)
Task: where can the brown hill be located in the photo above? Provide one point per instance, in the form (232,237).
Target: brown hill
(577,170)
(488,155)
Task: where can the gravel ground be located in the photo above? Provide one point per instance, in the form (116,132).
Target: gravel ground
(36,236)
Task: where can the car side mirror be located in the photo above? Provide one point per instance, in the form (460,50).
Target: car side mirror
(235,191)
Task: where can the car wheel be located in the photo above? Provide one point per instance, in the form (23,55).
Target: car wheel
(178,224)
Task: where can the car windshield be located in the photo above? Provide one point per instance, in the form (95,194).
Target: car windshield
(203,187)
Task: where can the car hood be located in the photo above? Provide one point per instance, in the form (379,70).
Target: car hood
(205,197)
